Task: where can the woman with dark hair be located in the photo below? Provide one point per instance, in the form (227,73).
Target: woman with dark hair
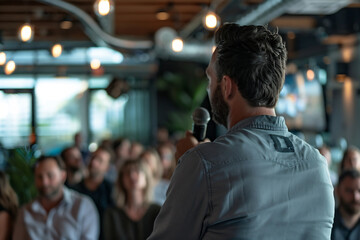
(8,207)
(134,216)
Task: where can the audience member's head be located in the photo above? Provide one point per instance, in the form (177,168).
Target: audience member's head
(351,159)
(152,158)
(121,149)
(50,176)
(348,191)
(134,176)
(8,197)
(167,157)
(72,158)
(162,135)
(135,150)
(325,151)
(99,162)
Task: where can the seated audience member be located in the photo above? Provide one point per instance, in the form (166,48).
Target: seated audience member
(135,150)
(325,151)
(58,212)
(75,170)
(152,158)
(121,151)
(134,216)
(8,207)
(94,184)
(351,159)
(167,157)
(78,142)
(346,221)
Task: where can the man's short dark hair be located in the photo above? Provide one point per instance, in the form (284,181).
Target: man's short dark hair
(255,58)
(44,158)
(352,173)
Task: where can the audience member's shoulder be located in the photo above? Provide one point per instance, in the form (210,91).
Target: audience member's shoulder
(79,197)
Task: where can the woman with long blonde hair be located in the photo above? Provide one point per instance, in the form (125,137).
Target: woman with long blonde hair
(8,207)
(134,216)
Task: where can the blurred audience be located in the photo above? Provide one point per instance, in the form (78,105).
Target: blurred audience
(152,159)
(75,170)
(346,221)
(134,216)
(8,207)
(121,147)
(167,157)
(94,184)
(121,150)
(325,151)
(57,212)
(351,159)
(135,150)
(78,142)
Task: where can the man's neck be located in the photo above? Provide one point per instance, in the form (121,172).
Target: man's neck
(92,182)
(247,112)
(50,203)
(349,220)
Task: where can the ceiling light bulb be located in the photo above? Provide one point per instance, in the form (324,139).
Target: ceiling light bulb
(211,21)
(56,50)
(2,58)
(66,24)
(162,15)
(103,7)
(177,45)
(9,67)
(95,64)
(26,33)
(310,74)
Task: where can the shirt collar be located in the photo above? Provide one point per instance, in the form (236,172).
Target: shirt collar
(37,207)
(267,122)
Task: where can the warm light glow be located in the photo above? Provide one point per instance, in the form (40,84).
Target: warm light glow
(103,7)
(211,21)
(66,24)
(177,45)
(162,15)
(310,74)
(26,33)
(56,50)
(347,53)
(95,64)
(291,35)
(213,49)
(2,58)
(9,67)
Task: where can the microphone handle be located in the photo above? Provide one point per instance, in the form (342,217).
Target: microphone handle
(199,132)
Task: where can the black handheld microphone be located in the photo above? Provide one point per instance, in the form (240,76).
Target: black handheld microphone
(200,118)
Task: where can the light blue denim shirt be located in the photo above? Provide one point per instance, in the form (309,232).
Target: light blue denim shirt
(74,218)
(258,181)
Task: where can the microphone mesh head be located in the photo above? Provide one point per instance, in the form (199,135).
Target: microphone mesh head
(200,116)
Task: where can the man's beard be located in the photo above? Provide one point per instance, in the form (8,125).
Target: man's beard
(219,107)
(351,208)
(50,192)
(73,169)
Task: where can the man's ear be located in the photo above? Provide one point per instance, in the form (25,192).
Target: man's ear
(228,87)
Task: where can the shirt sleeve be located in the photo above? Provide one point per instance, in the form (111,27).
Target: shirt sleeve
(183,215)
(90,220)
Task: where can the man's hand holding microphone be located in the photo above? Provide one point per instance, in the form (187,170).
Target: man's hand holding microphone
(192,138)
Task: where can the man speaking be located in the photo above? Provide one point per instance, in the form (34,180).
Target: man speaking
(258,181)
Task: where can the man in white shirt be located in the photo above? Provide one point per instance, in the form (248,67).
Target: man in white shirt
(58,212)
